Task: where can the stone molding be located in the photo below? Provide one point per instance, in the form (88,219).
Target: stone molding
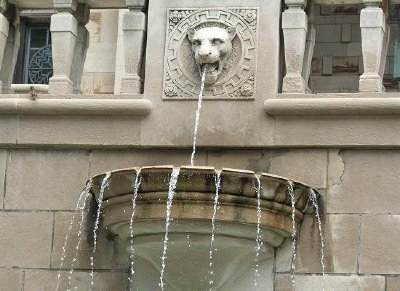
(332,104)
(124,107)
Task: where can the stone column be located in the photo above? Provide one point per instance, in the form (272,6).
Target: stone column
(64,30)
(386,40)
(372,23)
(134,29)
(10,51)
(309,49)
(4,29)
(81,46)
(294,25)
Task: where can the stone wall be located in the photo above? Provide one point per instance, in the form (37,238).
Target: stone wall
(360,221)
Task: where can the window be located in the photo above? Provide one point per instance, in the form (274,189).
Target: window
(38,61)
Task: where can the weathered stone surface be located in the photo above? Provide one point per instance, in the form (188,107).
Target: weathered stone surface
(307,166)
(328,33)
(368,183)
(379,246)
(47,280)
(51,179)
(341,245)
(254,160)
(3,165)
(8,129)
(10,280)
(393,283)
(331,283)
(102,161)
(106,256)
(25,239)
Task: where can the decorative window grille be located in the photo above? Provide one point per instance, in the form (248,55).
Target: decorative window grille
(38,67)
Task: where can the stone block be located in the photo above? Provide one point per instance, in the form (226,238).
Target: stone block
(379,246)
(87,83)
(100,57)
(47,280)
(109,25)
(327,66)
(335,82)
(307,166)
(355,33)
(8,129)
(102,161)
(79,130)
(368,183)
(25,239)
(340,234)
(346,33)
(253,160)
(51,179)
(106,257)
(331,283)
(94,25)
(328,33)
(103,83)
(393,283)
(316,66)
(330,49)
(326,19)
(354,49)
(10,280)
(345,65)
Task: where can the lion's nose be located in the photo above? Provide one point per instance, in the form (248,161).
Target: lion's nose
(204,54)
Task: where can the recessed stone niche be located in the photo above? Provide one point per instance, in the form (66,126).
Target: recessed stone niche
(181,74)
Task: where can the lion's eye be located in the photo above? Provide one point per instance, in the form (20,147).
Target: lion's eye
(216,41)
(196,42)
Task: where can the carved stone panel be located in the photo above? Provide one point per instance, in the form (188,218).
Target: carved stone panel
(181,74)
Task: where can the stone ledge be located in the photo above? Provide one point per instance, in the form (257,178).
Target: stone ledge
(75,106)
(333,104)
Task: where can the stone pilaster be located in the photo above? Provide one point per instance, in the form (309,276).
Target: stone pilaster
(294,25)
(81,46)
(10,51)
(372,23)
(4,30)
(134,30)
(64,30)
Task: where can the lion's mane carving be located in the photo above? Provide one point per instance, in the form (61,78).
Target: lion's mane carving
(211,46)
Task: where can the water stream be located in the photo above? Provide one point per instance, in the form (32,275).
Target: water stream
(138,180)
(79,234)
(171,191)
(214,215)
(294,234)
(259,239)
(104,185)
(81,200)
(197,121)
(314,200)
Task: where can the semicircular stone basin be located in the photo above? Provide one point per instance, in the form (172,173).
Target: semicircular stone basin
(190,228)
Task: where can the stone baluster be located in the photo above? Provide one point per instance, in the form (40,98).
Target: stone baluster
(134,30)
(11,50)
(372,23)
(64,30)
(294,25)
(82,43)
(4,29)
(309,49)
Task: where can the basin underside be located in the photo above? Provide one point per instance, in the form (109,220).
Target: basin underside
(236,223)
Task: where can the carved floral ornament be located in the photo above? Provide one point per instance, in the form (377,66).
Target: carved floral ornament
(231,35)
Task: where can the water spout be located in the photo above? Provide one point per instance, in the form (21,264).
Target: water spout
(104,185)
(196,125)
(294,233)
(171,191)
(259,239)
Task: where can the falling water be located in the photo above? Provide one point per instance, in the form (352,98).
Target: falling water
(294,233)
(314,200)
(79,234)
(104,184)
(171,191)
(196,125)
(211,267)
(82,197)
(259,242)
(138,180)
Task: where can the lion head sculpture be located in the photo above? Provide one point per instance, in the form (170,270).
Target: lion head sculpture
(211,46)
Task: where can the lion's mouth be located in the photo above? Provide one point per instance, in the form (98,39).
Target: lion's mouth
(212,68)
